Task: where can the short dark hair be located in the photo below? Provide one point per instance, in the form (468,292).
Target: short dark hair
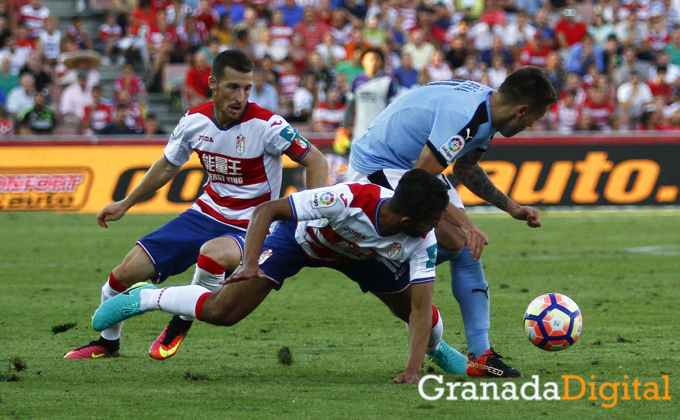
(375,51)
(419,195)
(235,59)
(528,85)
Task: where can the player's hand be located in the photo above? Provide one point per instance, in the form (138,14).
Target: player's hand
(529,214)
(111,213)
(476,239)
(242,273)
(342,141)
(407,378)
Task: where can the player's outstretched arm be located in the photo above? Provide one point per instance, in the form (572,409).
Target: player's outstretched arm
(262,218)
(317,168)
(419,326)
(158,175)
(468,171)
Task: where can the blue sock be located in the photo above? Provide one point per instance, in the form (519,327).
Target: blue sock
(472,293)
(444,255)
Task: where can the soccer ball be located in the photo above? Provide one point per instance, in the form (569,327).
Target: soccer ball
(553,322)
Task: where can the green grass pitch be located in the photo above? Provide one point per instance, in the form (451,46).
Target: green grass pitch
(622,268)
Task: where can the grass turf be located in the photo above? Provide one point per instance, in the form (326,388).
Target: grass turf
(620,267)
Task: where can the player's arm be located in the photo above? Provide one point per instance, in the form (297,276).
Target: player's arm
(160,173)
(258,228)
(420,324)
(317,168)
(476,238)
(468,171)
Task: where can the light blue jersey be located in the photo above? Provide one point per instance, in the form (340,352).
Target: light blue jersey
(450,117)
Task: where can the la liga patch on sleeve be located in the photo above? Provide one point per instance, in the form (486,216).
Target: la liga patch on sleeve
(324,199)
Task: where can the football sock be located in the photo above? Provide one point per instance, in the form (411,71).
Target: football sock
(436,332)
(208,274)
(110,345)
(111,288)
(179,300)
(472,293)
(444,255)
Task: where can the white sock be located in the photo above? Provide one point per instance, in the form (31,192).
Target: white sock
(179,300)
(436,332)
(113,332)
(207,279)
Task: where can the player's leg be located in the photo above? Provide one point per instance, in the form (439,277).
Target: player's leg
(136,267)
(218,256)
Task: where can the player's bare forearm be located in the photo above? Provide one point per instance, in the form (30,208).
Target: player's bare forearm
(429,162)
(262,218)
(317,168)
(468,171)
(420,325)
(160,173)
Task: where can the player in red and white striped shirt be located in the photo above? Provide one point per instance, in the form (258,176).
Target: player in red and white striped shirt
(240,145)
(33,15)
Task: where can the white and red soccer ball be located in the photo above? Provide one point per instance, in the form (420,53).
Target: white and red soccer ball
(553,322)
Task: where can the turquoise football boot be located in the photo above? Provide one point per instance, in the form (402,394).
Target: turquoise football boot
(120,307)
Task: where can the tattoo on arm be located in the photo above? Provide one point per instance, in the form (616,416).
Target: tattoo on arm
(469,173)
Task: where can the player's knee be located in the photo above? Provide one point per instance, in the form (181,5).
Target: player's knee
(225,251)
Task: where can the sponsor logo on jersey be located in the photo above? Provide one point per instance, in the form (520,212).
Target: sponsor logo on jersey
(323,199)
(354,232)
(205,138)
(451,147)
(432,257)
(288,133)
(240,144)
(265,255)
(394,250)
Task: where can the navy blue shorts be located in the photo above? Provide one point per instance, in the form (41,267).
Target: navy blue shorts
(285,258)
(175,246)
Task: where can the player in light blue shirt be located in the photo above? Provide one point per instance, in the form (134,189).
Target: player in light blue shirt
(449,122)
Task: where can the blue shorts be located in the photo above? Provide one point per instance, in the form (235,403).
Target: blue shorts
(175,246)
(286,259)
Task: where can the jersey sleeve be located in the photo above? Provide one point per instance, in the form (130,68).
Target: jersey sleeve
(326,202)
(281,138)
(423,262)
(178,150)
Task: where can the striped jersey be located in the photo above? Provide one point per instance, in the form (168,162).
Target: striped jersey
(339,223)
(243,160)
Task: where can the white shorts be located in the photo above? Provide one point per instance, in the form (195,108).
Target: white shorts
(391,177)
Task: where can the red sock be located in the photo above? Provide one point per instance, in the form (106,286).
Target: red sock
(115,284)
(210,265)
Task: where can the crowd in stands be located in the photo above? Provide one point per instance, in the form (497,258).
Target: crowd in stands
(614,63)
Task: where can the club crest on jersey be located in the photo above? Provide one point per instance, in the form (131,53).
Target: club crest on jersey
(394,250)
(323,199)
(452,146)
(300,143)
(240,144)
(265,256)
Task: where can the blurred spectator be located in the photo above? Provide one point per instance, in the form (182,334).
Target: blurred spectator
(600,30)
(612,54)
(672,70)
(629,65)
(574,83)
(584,53)
(438,69)
(75,98)
(317,67)
(17,55)
(564,114)
(33,15)
(455,56)
(631,32)
(311,30)
(673,47)
(207,17)
(133,116)
(152,127)
(497,48)
(266,46)
(123,9)
(421,51)
(652,119)
(324,12)
(568,31)
(129,86)
(141,16)
(6,126)
(223,30)
(543,25)
(50,41)
(231,8)
(470,69)
(292,13)
(177,11)
(250,23)
(633,96)
(212,50)
(305,98)
(98,114)
(536,53)
(406,75)
(327,116)
(357,42)
(289,81)
(331,52)
(658,85)
(555,71)
(271,76)
(118,126)
(162,40)
(192,35)
(601,110)
(298,53)
(351,67)
(356,11)
(38,118)
(586,122)
(497,72)
(281,33)
(374,34)
(242,43)
(263,93)
(8,80)
(340,27)
(36,67)
(5,31)
(517,34)
(196,90)
(78,32)
(110,32)
(21,96)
